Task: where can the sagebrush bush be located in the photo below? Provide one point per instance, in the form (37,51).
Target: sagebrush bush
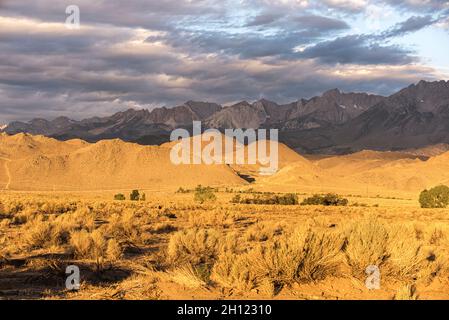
(40,233)
(405,258)
(81,243)
(114,250)
(406,292)
(367,242)
(263,231)
(95,246)
(194,246)
(234,271)
(37,234)
(303,256)
(188,276)
(125,227)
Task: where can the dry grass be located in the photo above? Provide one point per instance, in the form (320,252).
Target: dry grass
(195,246)
(406,292)
(366,245)
(243,250)
(187,276)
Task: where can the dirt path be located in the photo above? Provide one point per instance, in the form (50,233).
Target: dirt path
(8,173)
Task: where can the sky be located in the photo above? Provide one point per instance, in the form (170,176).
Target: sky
(148,54)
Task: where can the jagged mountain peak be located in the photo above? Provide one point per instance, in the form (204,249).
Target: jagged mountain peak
(413,117)
(332,93)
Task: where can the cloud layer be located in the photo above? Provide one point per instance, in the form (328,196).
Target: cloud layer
(145,54)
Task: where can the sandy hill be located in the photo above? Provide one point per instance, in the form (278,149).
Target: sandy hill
(380,172)
(39,163)
(286,155)
(360,161)
(23,145)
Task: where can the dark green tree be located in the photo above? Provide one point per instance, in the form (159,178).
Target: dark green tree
(119,196)
(437,197)
(134,196)
(329,199)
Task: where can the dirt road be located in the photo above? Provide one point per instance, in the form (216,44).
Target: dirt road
(8,173)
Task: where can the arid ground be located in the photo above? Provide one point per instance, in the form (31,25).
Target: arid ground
(173,245)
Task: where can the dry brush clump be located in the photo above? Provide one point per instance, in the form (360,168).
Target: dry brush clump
(125,227)
(188,276)
(406,292)
(194,246)
(234,271)
(303,256)
(394,248)
(95,246)
(366,245)
(213,218)
(264,231)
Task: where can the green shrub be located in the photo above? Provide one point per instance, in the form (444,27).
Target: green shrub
(437,197)
(329,199)
(287,199)
(182,190)
(134,196)
(119,196)
(203,194)
(236,199)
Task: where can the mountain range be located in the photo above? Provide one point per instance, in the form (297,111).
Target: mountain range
(333,123)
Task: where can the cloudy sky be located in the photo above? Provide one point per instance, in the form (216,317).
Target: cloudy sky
(151,53)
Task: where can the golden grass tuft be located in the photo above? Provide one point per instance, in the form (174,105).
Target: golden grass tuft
(187,276)
(406,292)
(366,245)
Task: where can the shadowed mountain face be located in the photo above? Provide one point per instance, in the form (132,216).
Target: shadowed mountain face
(415,117)
(335,122)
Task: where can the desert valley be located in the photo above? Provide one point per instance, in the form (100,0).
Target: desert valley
(214,158)
(217,231)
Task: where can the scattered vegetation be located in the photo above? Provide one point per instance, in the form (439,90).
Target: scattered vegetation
(137,249)
(134,196)
(120,197)
(329,199)
(406,292)
(204,194)
(287,199)
(182,190)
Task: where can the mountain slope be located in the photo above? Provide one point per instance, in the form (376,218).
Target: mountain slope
(108,164)
(414,117)
(333,123)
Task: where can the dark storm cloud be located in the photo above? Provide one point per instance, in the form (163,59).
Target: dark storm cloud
(320,23)
(414,23)
(294,31)
(302,22)
(212,50)
(249,45)
(160,14)
(357,49)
